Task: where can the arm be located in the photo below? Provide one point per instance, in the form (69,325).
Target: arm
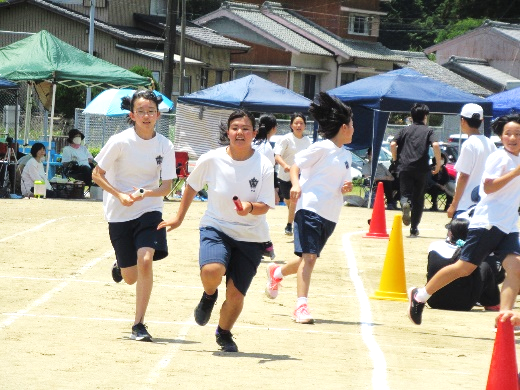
(511,316)
(175,222)
(278,158)
(437,154)
(393,149)
(462,182)
(98,177)
(296,190)
(493,185)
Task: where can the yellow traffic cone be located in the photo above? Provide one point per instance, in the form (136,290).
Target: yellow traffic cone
(393,280)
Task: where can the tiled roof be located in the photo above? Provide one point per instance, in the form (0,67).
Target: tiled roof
(340,46)
(511,30)
(195,32)
(482,69)
(419,62)
(247,14)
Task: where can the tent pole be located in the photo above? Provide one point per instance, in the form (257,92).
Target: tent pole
(28,107)
(49,144)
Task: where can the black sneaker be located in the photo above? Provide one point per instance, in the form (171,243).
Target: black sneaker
(225,340)
(204,308)
(116,273)
(414,233)
(139,333)
(288,230)
(406,214)
(415,308)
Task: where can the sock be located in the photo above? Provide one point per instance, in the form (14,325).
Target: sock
(301,301)
(422,295)
(289,224)
(278,273)
(222,331)
(212,297)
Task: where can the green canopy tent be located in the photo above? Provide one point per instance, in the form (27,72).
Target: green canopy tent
(43,57)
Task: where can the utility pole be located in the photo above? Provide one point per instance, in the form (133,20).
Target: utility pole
(170,35)
(183,53)
(91,43)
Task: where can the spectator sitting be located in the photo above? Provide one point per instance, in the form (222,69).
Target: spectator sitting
(33,171)
(384,176)
(77,160)
(437,185)
(463,293)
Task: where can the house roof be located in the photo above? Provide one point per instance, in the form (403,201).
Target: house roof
(129,33)
(249,16)
(420,62)
(479,68)
(200,34)
(347,48)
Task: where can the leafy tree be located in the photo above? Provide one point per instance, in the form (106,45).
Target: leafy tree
(145,72)
(458,28)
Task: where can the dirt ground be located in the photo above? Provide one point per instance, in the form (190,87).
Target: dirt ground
(65,324)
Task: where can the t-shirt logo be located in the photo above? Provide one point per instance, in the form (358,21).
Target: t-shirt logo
(346,164)
(253,183)
(159,159)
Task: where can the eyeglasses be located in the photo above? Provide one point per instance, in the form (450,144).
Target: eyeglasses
(143,113)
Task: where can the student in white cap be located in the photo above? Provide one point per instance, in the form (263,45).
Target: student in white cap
(472,158)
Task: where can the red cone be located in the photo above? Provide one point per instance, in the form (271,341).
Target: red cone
(503,371)
(378,222)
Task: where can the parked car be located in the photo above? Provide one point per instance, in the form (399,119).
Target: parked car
(463,137)
(385,156)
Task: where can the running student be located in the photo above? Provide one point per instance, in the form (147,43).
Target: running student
(232,241)
(493,227)
(325,177)
(138,157)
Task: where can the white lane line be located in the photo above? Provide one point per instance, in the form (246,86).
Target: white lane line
(49,294)
(189,321)
(173,348)
(37,227)
(379,373)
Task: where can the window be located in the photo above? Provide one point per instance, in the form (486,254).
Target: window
(219,75)
(309,86)
(203,78)
(158,7)
(359,24)
(187,84)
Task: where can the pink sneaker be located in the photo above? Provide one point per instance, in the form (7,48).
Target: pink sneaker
(302,315)
(271,289)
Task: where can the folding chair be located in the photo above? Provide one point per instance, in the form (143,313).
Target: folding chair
(181,160)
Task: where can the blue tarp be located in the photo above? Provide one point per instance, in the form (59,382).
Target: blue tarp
(504,103)
(6,84)
(373,98)
(250,92)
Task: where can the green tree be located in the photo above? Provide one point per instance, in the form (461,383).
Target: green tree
(145,72)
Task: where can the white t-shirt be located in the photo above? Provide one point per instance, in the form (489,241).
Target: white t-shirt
(472,159)
(33,171)
(323,169)
(251,180)
(81,155)
(130,161)
(287,147)
(499,208)
(266,149)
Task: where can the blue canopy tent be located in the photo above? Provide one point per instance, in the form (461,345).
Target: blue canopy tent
(250,92)
(373,99)
(504,103)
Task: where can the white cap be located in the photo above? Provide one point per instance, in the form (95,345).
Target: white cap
(472,111)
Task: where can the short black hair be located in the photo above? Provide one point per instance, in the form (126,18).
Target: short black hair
(36,148)
(419,112)
(499,123)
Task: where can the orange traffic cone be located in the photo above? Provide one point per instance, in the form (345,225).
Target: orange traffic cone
(503,371)
(378,221)
(393,280)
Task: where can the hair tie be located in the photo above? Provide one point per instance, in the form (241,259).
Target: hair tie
(460,243)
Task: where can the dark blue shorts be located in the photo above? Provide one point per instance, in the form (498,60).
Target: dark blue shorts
(241,258)
(311,232)
(285,188)
(482,241)
(129,236)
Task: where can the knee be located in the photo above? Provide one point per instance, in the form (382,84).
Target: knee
(212,271)
(512,266)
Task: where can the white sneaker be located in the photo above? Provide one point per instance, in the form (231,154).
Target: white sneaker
(271,289)
(302,315)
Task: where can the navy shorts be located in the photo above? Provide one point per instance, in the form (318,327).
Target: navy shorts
(311,232)
(129,236)
(285,188)
(241,258)
(482,241)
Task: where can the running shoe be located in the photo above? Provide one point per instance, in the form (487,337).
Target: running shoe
(288,230)
(302,316)
(204,308)
(271,289)
(406,214)
(140,333)
(414,233)
(415,307)
(116,273)
(225,340)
